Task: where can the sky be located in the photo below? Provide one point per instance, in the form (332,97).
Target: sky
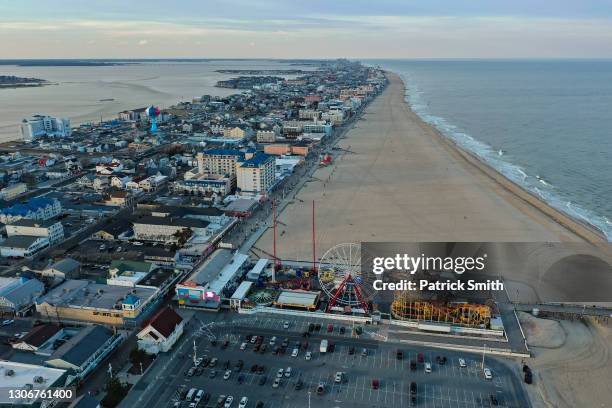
(306,29)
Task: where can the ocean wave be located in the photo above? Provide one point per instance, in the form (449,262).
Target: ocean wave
(497,159)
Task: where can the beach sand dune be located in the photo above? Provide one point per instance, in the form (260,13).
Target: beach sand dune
(400,180)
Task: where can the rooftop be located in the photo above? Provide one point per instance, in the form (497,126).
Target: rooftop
(179,222)
(257,160)
(19,241)
(17,375)
(82,293)
(166,321)
(79,348)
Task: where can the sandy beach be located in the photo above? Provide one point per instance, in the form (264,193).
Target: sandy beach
(398,179)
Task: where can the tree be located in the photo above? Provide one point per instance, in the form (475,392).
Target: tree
(115,392)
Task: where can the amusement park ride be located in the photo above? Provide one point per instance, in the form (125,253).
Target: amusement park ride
(340,277)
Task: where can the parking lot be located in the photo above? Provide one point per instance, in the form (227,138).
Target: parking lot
(448,385)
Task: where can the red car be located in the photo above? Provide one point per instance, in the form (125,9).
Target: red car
(330,328)
(375,384)
(421,357)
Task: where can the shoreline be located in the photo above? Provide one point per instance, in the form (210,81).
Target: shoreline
(586,231)
(397,178)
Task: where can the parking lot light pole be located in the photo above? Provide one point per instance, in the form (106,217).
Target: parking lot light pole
(484,349)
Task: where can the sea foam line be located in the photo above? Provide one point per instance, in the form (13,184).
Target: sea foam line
(534,184)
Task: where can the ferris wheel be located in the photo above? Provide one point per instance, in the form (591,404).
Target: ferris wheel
(340,277)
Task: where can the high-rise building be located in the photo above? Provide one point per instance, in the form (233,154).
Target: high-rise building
(256,175)
(219,161)
(40,125)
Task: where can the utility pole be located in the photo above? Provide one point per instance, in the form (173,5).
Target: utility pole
(314,253)
(194,352)
(484,350)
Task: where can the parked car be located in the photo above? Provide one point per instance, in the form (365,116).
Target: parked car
(288,372)
(413,365)
(321,388)
(276,383)
(228,401)
(428,367)
(375,384)
(262,380)
(227,375)
(462,363)
(295,352)
(280,372)
(243,402)
(399,354)
(308,356)
(338,377)
(488,374)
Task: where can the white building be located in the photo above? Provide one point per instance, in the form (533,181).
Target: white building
(39,208)
(204,183)
(160,335)
(152,183)
(39,125)
(50,229)
(256,175)
(166,229)
(12,191)
(21,246)
(266,136)
(19,293)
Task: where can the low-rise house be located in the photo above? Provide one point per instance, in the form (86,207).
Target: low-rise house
(38,208)
(153,183)
(51,229)
(10,192)
(128,273)
(84,351)
(66,268)
(167,229)
(18,294)
(162,332)
(21,246)
(120,199)
(38,337)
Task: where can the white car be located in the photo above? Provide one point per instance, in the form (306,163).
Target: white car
(228,401)
(428,367)
(280,373)
(227,374)
(488,374)
(295,352)
(8,322)
(137,243)
(243,402)
(462,363)
(338,377)
(288,372)
(243,346)
(286,325)
(276,383)
(193,405)
(308,356)
(273,340)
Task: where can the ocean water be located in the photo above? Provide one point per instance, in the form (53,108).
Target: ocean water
(546,125)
